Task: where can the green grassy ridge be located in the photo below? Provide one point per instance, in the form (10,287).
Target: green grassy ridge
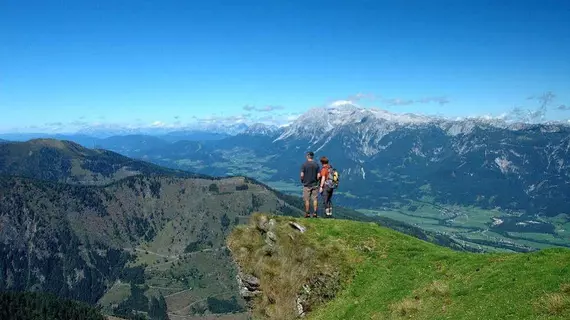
(394,276)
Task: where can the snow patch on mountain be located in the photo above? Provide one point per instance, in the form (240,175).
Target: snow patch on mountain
(317,122)
(505,165)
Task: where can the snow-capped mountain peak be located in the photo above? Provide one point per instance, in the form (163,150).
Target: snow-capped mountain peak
(318,121)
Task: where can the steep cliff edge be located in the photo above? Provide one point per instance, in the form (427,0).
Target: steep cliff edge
(337,269)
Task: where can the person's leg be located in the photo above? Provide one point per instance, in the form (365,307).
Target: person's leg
(306,198)
(326,193)
(324,196)
(315,201)
(329,202)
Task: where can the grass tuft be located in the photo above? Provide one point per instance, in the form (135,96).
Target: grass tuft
(406,308)
(554,304)
(438,288)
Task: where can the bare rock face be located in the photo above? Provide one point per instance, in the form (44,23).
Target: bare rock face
(248,295)
(303,301)
(249,286)
(263,224)
(271,224)
(298,226)
(271,238)
(270,235)
(251,282)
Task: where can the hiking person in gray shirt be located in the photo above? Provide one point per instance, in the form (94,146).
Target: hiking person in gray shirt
(310,179)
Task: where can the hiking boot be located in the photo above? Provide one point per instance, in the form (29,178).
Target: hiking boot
(307,215)
(314,215)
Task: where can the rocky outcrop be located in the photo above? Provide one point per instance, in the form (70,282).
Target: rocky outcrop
(282,274)
(248,283)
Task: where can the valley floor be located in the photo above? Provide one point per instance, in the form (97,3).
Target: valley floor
(481,229)
(487,230)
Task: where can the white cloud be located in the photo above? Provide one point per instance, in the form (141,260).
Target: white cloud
(398,102)
(361,96)
(353,99)
(224,119)
(158,124)
(404,102)
(340,103)
(267,108)
(537,114)
(270,115)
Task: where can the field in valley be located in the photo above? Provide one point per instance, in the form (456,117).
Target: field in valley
(491,230)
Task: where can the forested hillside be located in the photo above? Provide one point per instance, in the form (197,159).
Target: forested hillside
(43,306)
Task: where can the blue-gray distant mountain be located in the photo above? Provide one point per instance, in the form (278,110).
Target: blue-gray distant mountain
(193,135)
(131,143)
(197,131)
(129,138)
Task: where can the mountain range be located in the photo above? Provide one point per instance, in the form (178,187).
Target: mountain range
(131,236)
(139,224)
(486,181)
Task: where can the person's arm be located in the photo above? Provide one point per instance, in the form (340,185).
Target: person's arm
(302,172)
(322,178)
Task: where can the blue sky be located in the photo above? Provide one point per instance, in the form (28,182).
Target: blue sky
(139,62)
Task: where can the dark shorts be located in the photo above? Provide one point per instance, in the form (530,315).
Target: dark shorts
(310,193)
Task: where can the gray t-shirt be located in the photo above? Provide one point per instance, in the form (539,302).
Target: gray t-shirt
(310,171)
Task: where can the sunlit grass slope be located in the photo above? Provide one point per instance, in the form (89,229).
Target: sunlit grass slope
(384,274)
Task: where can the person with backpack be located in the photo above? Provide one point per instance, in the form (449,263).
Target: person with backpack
(329,182)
